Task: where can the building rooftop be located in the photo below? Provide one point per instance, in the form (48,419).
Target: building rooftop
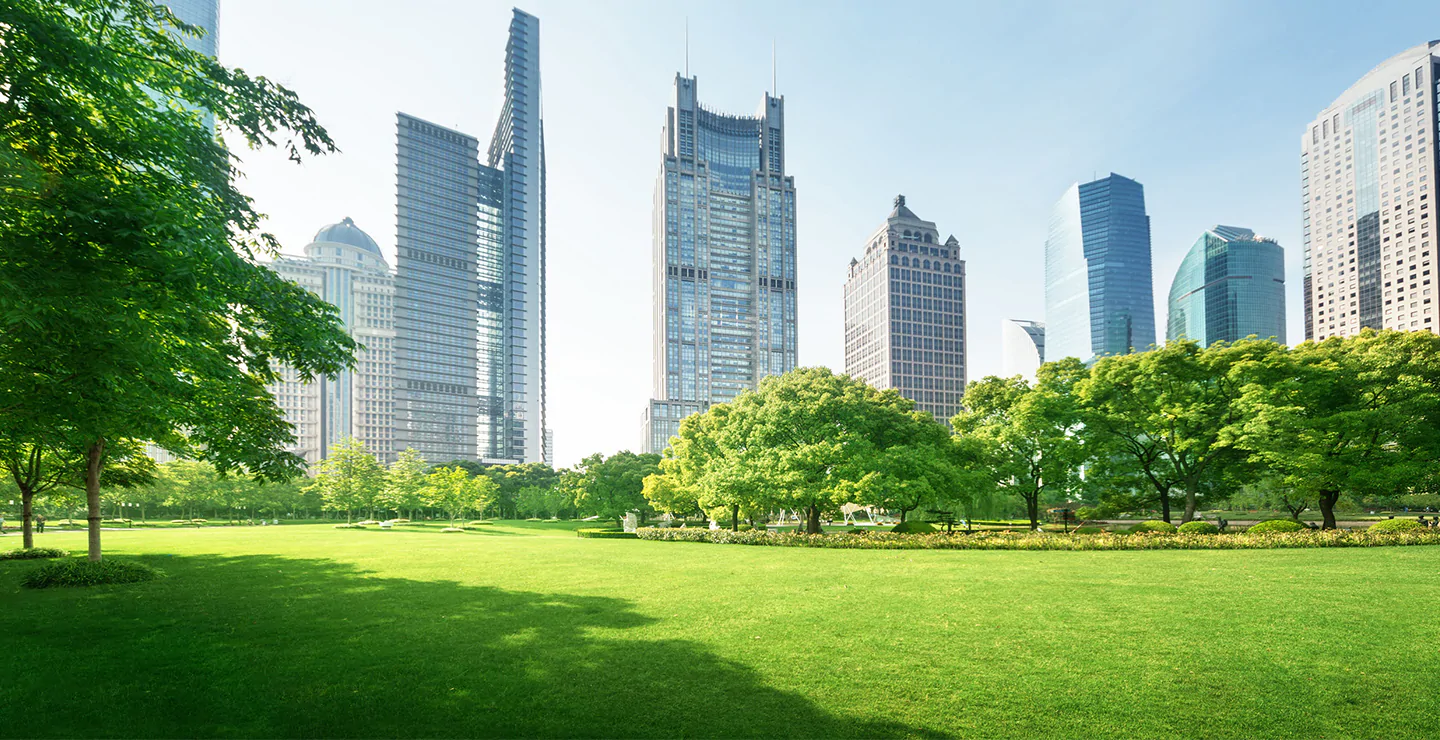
(346,232)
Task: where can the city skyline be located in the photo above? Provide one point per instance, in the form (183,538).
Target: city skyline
(600,205)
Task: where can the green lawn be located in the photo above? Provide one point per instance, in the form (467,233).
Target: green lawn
(523,629)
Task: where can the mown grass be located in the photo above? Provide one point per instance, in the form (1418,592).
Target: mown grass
(523,629)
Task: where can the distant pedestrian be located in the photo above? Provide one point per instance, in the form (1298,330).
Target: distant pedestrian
(40,523)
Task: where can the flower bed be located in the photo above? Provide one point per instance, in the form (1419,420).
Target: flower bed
(1027,541)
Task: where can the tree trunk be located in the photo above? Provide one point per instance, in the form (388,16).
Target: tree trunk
(735,518)
(903,512)
(1328,499)
(94,456)
(1189,504)
(1165,505)
(812,519)
(27,502)
(1032,507)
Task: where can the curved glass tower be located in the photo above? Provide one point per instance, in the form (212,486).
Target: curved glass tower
(1099,297)
(1230,286)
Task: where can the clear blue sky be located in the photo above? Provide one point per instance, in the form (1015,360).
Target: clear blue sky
(980,113)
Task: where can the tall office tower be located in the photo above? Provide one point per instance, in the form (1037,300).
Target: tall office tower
(204,14)
(1099,297)
(724,258)
(517,150)
(905,313)
(1230,285)
(1365,167)
(1022,348)
(344,266)
(437,289)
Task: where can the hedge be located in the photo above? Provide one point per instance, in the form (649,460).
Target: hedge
(618,534)
(1153,525)
(1036,541)
(1198,527)
(913,528)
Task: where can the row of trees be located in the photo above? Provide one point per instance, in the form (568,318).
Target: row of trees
(1180,426)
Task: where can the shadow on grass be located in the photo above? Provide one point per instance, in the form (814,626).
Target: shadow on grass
(265,646)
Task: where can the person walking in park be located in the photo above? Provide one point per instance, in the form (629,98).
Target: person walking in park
(40,524)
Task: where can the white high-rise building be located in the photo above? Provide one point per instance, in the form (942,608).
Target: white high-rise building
(905,313)
(724,259)
(344,266)
(1367,166)
(1022,347)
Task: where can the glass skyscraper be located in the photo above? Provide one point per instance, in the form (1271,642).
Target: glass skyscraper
(204,14)
(470,278)
(905,313)
(1230,285)
(1369,231)
(1099,294)
(724,258)
(436,290)
(517,150)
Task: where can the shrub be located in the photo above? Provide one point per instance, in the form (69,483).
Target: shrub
(76,572)
(1276,525)
(349,526)
(620,534)
(453,529)
(1153,525)
(367,523)
(199,521)
(1198,527)
(479,523)
(1396,525)
(179,521)
(913,528)
(1089,530)
(35,553)
(401,520)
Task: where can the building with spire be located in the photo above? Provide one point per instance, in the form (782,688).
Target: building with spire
(724,259)
(905,313)
(343,265)
(1231,285)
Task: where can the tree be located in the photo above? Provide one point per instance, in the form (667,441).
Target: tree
(405,482)
(1168,412)
(609,487)
(456,491)
(510,479)
(132,303)
(349,477)
(1358,415)
(1028,436)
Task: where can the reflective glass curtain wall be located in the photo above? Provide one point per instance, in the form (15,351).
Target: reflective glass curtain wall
(1230,285)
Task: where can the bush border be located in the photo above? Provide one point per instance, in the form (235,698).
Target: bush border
(1047,541)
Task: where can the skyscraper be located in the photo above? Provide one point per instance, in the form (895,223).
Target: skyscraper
(517,150)
(1369,230)
(905,313)
(470,282)
(1230,285)
(724,258)
(203,14)
(1022,348)
(437,250)
(343,265)
(1099,297)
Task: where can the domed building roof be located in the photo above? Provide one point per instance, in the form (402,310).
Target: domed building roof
(346,232)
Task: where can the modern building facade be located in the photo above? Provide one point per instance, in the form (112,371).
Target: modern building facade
(344,266)
(470,278)
(1365,178)
(1231,285)
(517,151)
(905,313)
(1099,293)
(202,14)
(1022,348)
(724,258)
(437,288)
